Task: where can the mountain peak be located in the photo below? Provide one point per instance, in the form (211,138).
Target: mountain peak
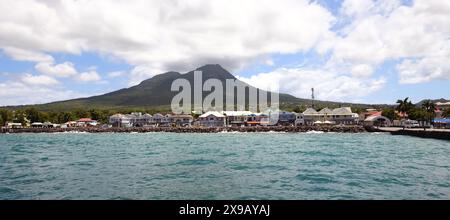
(215,71)
(211,66)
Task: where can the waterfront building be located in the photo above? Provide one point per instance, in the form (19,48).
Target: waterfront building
(438,113)
(135,119)
(182,120)
(166,121)
(236,118)
(325,114)
(377,120)
(285,118)
(342,115)
(86,122)
(70,124)
(146,119)
(368,113)
(441,123)
(212,119)
(13,125)
(37,125)
(300,119)
(50,125)
(120,120)
(310,116)
(442,106)
(157,118)
(257,119)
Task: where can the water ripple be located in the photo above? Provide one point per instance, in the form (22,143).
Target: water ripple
(223,166)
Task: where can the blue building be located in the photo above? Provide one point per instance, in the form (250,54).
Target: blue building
(286,118)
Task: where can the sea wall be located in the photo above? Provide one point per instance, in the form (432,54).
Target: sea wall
(290,129)
(443,135)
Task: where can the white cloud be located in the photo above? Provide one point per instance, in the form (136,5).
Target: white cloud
(328,84)
(166,35)
(143,72)
(90,76)
(356,7)
(157,36)
(269,62)
(384,30)
(116,74)
(41,80)
(65,69)
(19,93)
(362,70)
(424,70)
(26,55)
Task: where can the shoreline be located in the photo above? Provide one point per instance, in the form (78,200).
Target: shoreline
(286,129)
(429,133)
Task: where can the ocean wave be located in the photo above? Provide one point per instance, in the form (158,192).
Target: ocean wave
(72,132)
(231,132)
(315,132)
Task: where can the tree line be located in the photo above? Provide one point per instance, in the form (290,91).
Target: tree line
(425,112)
(31,115)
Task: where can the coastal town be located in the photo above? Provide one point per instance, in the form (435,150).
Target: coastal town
(310,118)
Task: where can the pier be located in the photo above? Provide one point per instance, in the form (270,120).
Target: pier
(443,134)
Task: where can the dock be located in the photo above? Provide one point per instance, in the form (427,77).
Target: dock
(442,134)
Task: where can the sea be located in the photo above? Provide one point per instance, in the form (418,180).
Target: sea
(236,166)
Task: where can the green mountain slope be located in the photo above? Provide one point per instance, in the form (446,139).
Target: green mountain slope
(154,93)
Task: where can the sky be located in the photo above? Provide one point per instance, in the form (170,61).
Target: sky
(363,51)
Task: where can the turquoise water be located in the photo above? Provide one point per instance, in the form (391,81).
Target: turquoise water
(223,166)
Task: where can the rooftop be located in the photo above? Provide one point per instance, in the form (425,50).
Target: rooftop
(214,113)
(85,120)
(236,113)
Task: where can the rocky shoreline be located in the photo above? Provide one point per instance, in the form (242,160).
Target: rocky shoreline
(287,129)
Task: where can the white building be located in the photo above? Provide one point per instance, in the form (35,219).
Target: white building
(299,119)
(14,125)
(212,119)
(86,122)
(138,119)
(166,120)
(130,120)
(157,118)
(236,118)
(310,115)
(182,120)
(342,115)
(377,120)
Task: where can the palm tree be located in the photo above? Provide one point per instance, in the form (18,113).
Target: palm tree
(404,106)
(429,107)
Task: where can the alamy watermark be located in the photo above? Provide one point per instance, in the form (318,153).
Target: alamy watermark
(248,98)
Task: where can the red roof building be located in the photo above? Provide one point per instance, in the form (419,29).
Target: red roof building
(86,120)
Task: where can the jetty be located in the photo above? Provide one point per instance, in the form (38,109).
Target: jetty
(443,134)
